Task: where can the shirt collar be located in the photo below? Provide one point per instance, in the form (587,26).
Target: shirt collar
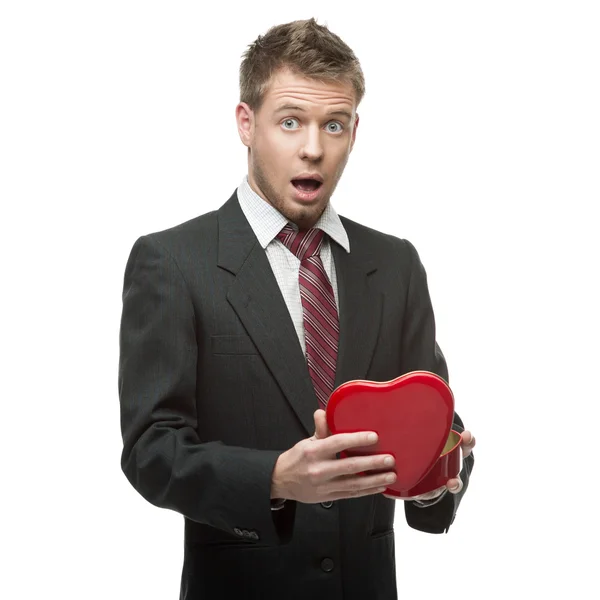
(266,221)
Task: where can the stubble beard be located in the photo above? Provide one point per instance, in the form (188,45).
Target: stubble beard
(303,217)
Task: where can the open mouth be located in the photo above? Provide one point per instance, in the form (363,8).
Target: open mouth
(306,185)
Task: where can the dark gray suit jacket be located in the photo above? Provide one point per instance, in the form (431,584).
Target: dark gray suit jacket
(214,387)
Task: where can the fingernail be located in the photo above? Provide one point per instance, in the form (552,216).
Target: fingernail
(388,461)
(372,437)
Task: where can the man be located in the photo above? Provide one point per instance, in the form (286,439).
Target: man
(238,324)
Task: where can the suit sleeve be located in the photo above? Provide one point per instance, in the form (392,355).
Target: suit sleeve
(420,351)
(208,482)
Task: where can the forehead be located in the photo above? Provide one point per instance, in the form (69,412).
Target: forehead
(286,87)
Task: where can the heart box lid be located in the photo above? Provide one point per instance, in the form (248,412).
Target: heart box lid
(411,414)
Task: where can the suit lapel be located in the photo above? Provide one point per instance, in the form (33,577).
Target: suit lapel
(360,311)
(256,298)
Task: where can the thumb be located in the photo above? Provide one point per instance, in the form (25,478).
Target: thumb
(321,429)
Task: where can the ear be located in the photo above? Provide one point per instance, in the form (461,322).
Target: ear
(244,117)
(354,131)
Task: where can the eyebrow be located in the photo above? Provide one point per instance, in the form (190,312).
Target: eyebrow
(283,107)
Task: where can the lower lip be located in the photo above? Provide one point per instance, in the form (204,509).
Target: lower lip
(306,196)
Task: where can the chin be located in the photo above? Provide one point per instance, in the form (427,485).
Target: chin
(305,217)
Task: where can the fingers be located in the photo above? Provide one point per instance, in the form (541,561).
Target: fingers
(329,447)
(344,441)
(349,477)
(350,467)
(321,428)
(359,485)
(355,493)
(468,443)
(454,485)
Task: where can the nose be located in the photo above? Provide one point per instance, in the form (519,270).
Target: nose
(312,148)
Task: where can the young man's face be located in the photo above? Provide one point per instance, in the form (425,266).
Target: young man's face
(286,143)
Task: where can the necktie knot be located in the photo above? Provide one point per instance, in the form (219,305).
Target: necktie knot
(303,244)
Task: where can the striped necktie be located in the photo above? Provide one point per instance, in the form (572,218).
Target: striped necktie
(321,324)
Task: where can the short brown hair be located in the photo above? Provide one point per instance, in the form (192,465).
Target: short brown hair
(304,47)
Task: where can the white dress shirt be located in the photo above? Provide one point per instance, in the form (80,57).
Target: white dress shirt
(266,222)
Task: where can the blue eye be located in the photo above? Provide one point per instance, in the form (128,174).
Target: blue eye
(294,120)
(288,121)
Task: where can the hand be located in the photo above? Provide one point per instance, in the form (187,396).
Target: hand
(455,485)
(310,472)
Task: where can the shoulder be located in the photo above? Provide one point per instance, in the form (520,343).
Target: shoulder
(194,229)
(197,234)
(366,240)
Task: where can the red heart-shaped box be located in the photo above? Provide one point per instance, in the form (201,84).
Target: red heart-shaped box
(412,416)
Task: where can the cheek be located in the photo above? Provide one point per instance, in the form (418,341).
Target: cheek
(339,152)
(277,150)
(342,160)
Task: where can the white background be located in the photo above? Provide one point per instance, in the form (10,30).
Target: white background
(479,141)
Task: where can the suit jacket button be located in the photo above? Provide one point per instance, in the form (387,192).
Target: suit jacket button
(327,565)
(327,504)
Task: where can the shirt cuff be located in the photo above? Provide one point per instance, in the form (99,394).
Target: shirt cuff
(277,503)
(427,503)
